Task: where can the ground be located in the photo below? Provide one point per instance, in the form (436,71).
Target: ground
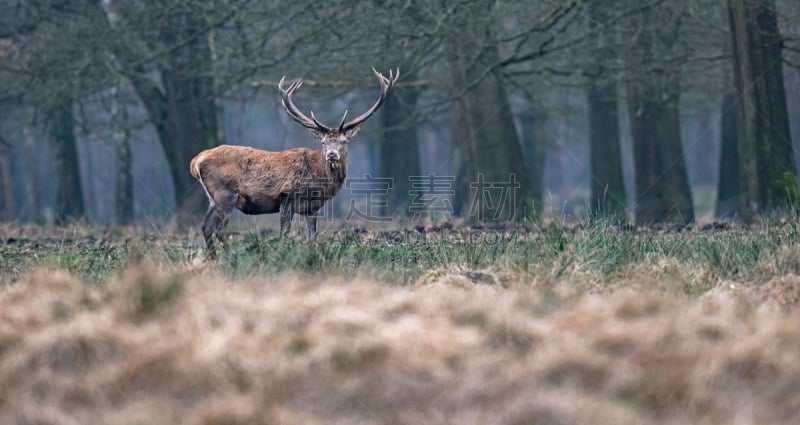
(472,325)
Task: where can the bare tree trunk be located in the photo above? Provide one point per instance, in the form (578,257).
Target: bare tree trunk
(191,121)
(60,126)
(31,158)
(534,148)
(124,192)
(399,148)
(768,178)
(675,189)
(398,153)
(491,183)
(607,198)
(607,183)
(184,112)
(7,204)
(728,181)
(662,183)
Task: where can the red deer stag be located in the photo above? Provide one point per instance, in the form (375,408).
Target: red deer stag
(293,181)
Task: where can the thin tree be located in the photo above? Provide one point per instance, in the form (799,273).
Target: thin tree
(59,123)
(607,185)
(728,180)
(7,204)
(533,138)
(122,141)
(399,147)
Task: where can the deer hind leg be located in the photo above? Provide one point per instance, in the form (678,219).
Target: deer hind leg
(287,212)
(208,231)
(225,202)
(222,235)
(215,221)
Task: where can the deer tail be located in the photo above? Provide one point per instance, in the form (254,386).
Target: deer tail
(194,168)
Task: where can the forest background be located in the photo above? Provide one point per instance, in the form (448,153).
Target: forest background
(649,112)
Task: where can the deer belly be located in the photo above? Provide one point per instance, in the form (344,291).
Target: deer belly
(255,206)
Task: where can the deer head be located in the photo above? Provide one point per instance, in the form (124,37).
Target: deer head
(334,139)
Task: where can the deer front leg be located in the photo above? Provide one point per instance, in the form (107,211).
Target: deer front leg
(287,211)
(311,226)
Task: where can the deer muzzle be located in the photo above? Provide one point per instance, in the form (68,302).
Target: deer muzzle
(332,155)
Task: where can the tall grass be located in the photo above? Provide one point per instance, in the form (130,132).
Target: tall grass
(401,257)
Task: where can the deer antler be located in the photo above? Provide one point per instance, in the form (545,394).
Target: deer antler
(386,86)
(312,123)
(294,112)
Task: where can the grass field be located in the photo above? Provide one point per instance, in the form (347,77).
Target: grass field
(600,253)
(507,325)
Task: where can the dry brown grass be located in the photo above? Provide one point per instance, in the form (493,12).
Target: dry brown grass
(157,346)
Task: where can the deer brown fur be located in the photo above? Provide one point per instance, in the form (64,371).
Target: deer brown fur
(293,181)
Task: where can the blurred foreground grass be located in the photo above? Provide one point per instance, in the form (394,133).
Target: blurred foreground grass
(469,326)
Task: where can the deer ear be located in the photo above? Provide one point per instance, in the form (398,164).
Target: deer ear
(352,132)
(316,133)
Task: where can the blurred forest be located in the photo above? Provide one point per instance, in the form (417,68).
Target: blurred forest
(648,112)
